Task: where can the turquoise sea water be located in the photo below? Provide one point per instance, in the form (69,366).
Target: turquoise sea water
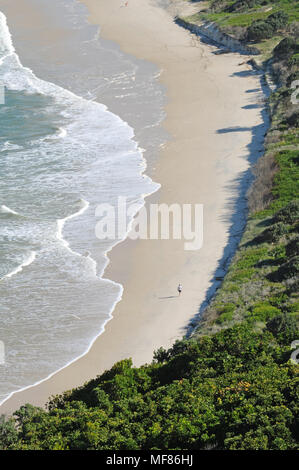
(61,155)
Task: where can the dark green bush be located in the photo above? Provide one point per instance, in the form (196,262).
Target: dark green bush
(294,60)
(278,20)
(265,29)
(292,77)
(284,327)
(293,120)
(234,390)
(288,270)
(286,48)
(292,248)
(273,233)
(288,214)
(260,30)
(8,433)
(161,355)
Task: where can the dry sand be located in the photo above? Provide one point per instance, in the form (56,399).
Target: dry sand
(207,94)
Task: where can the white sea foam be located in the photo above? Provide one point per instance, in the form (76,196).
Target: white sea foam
(9,146)
(61,222)
(16,77)
(29,260)
(6,210)
(6,45)
(88,130)
(62,133)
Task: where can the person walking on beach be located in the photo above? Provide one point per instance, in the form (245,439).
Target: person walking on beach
(180,288)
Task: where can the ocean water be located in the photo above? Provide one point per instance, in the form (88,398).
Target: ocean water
(61,155)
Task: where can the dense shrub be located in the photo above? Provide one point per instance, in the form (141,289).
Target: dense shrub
(233,390)
(286,48)
(278,20)
(284,327)
(294,60)
(217,5)
(8,433)
(241,5)
(292,77)
(288,214)
(263,311)
(265,29)
(288,270)
(260,30)
(293,119)
(273,233)
(292,248)
(225,317)
(226,313)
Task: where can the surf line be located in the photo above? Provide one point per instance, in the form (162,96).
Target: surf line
(61,223)
(20,268)
(6,210)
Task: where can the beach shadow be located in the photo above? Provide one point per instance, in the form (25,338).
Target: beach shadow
(253,90)
(169,297)
(252,106)
(224,51)
(233,129)
(243,73)
(236,207)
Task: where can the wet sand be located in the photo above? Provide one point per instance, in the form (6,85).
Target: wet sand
(213,137)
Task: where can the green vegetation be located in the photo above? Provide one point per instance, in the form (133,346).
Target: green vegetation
(265,29)
(243,13)
(263,22)
(231,385)
(233,390)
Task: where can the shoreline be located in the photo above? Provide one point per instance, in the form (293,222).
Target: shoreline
(21,30)
(149,317)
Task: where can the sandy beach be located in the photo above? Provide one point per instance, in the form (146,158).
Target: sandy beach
(215,134)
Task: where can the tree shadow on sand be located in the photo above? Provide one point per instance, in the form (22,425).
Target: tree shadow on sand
(237,210)
(169,297)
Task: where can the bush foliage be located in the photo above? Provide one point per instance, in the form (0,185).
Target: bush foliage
(234,390)
(264,29)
